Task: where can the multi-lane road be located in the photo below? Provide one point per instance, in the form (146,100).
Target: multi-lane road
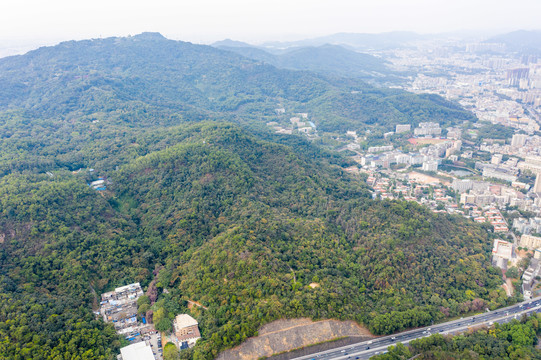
(366,349)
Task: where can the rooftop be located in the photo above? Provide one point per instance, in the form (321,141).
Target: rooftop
(184,320)
(137,351)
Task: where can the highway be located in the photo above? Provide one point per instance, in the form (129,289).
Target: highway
(368,348)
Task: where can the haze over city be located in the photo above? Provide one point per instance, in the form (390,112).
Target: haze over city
(28,24)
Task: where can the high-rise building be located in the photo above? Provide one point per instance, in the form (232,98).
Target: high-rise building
(518,140)
(537,186)
(496,159)
(515,75)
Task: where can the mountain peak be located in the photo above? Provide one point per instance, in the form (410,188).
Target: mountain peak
(231,43)
(150,36)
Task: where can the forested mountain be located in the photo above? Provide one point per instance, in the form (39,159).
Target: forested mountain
(325,59)
(240,224)
(147,80)
(232,216)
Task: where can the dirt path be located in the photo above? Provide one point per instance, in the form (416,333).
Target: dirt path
(95,302)
(508,287)
(195,303)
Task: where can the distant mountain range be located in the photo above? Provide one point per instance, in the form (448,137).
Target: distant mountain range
(523,41)
(326,59)
(357,41)
(163,81)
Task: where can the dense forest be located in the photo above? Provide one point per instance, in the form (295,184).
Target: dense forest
(224,213)
(147,80)
(325,59)
(514,340)
(242,225)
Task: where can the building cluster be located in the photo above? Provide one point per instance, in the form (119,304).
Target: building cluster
(530,275)
(504,254)
(298,124)
(497,87)
(99,185)
(487,214)
(407,187)
(523,146)
(482,193)
(120,308)
(527,226)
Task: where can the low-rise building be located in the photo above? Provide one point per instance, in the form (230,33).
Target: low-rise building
(137,351)
(401,128)
(120,308)
(374,149)
(530,242)
(186,329)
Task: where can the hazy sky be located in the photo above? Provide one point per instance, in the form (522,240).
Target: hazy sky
(46,21)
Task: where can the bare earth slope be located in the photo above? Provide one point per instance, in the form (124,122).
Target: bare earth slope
(285,335)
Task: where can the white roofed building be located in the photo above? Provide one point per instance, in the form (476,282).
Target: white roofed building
(137,351)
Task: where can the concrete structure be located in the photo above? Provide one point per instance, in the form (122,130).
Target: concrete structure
(537,186)
(527,291)
(402,128)
(502,253)
(499,172)
(530,242)
(374,149)
(186,329)
(430,166)
(454,133)
(528,278)
(527,226)
(462,185)
(518,140)
(496,159)
(427,128)
(137,351)
(402,159)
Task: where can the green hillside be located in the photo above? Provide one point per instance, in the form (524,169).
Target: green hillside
(203,201)
(239,224)
(147,80)
(324,59)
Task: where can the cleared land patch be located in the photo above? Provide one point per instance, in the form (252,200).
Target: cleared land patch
(285,335)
